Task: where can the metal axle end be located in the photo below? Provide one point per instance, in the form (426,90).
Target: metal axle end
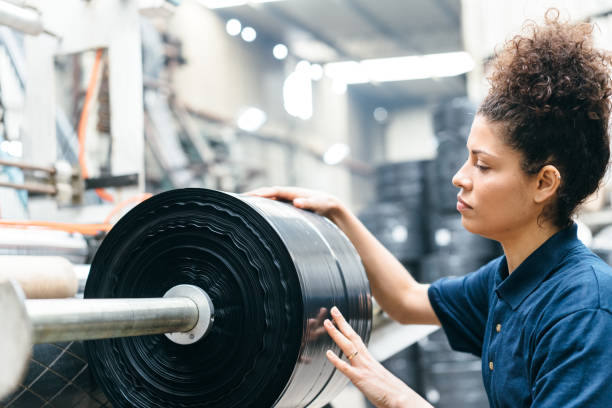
(206,313)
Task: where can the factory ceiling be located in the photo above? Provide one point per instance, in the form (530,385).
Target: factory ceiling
(326,31)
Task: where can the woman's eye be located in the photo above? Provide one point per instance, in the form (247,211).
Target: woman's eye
(481,167)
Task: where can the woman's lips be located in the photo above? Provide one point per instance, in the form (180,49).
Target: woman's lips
(462,205)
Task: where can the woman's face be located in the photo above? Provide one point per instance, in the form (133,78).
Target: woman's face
(496,197)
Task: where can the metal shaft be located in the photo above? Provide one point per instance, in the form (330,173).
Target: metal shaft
(27,166)
(88,319)
(32,188)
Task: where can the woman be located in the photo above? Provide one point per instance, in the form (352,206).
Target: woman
(541,315)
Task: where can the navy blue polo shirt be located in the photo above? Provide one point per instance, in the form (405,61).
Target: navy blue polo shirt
(544,332)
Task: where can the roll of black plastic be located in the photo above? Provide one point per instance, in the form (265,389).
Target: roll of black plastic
(272,272)
(58,376)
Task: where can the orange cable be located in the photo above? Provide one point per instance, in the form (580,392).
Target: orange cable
(136,199)
(82,129)
(85,229)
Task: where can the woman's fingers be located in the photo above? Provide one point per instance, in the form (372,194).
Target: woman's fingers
(347,347)
(284,193)
(344,367)
(261,192)
(346,328)
(303,198)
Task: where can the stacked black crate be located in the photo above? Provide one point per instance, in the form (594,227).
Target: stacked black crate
(397,219)
(450,378)
(455,251)
(402,365)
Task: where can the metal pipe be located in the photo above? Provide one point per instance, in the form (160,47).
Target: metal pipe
(26,20)
(27,166)
(32,188)
(87,319)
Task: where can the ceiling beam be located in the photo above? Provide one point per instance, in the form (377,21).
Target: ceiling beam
(383,28)
(450,12)
(284,17)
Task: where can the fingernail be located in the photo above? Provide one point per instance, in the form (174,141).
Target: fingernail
(335,311)
(299,201)
(326,322)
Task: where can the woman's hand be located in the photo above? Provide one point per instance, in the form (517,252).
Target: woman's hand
(316,201)
(381,387)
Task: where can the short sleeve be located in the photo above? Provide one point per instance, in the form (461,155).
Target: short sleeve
(462,306)
(572,361)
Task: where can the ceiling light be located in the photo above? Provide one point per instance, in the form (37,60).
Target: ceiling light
(297,95)
(316,72)
(251,119)
(336,153)
(350,72)
(339,87)
(233,27)
(401,68)
(249,34)
(380,114)
(303,66)
(280,51)
(217,4)
(418,67)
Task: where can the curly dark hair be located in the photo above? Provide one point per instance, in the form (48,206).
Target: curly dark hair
(550,94)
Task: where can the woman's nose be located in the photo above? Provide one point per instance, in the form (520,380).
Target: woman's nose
(461,179)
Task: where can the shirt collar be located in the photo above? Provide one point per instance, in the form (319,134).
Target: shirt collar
(532,272)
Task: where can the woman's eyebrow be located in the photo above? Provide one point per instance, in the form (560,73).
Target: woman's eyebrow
(479,151)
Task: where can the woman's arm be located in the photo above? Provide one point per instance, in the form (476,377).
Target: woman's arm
(395,290)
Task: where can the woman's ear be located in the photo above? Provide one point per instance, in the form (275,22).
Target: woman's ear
(547,183)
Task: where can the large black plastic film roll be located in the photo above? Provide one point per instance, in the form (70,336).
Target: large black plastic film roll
(272,272)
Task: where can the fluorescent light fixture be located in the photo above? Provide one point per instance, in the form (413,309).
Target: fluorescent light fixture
(218,4)
(336,153)
(215,4)
(297,95)
(233,27)
(349,72)
(316,72)
(280,51)
(251,119)
(401,68)
(249,34)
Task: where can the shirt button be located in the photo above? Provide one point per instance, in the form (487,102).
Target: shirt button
(498,327)
(491,365)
